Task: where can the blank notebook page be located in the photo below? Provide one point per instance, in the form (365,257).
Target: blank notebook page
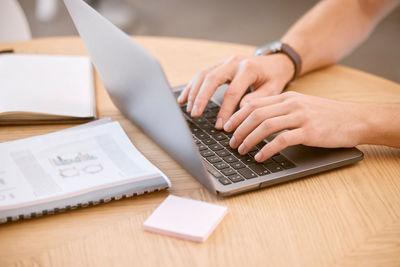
(185,218)
(57,85)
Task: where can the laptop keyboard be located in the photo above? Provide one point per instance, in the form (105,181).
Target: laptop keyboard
(224,162)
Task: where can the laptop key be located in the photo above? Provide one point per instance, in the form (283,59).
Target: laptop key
(253,153)
(247,173)
(261,144)
(199,120)
(195,129)
(201,135)
(236,178)
(219,136)
(246,159)
(259,169)
(222,153)
(254,149)
(228,171)
(237,154)
(225,142)
(206,126)
(212,170)
(202,147)
(207,153)
(287,164)
(230,134)
(209,141)
(214,159)
(230,159)
(284,162)
(210,114)
(237,165)
(224,181)
(221,165)
(212,121)
(216,147)
(232,150)
(249,160)
(212,131)
(268,161)
(273,167)
(279,158)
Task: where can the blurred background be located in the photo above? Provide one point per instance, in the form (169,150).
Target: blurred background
(252,22)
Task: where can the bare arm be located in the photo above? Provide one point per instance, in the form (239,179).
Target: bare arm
(334,28)
(383,128)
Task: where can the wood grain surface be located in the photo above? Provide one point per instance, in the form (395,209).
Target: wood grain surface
(345,217)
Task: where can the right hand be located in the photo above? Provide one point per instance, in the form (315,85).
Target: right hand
(267,74)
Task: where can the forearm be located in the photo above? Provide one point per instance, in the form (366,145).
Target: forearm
(333,28)
(382,124)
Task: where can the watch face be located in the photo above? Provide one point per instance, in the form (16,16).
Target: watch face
(269,48)
(275,46)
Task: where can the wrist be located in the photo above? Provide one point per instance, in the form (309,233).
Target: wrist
(362,123)
(278,47)
(381,124)
(284,67)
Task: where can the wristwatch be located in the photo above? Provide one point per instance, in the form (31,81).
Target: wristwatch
(279,47)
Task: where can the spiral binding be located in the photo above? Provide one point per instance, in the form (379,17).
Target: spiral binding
(72,207)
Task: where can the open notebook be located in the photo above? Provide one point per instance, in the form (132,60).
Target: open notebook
(46,89)
(84,165)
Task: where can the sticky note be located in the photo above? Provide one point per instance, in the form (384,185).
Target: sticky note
(185,218)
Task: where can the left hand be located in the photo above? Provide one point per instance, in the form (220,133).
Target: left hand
(268,75)
(310,120)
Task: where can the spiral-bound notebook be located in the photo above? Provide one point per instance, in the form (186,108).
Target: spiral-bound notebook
(81,166)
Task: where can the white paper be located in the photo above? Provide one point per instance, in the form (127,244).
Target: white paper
(65,162)
(56,85)
(185,218)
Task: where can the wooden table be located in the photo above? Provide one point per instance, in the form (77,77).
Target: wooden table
(349,216)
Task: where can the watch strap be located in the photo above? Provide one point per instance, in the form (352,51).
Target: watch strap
(294,57)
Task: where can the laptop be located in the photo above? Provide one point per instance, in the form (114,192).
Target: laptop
(137,85)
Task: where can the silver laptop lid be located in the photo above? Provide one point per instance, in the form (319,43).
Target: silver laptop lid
(137,86)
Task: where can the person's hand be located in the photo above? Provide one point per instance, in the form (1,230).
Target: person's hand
(267,74)
(309,120)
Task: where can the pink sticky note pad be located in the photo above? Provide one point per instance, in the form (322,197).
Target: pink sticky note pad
(185,218)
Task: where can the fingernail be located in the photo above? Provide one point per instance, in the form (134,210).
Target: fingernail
(232,143)
(189,107)
(242,149)
(180,98)
(195,111)
(228,126)
(219,123)
(258,157)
